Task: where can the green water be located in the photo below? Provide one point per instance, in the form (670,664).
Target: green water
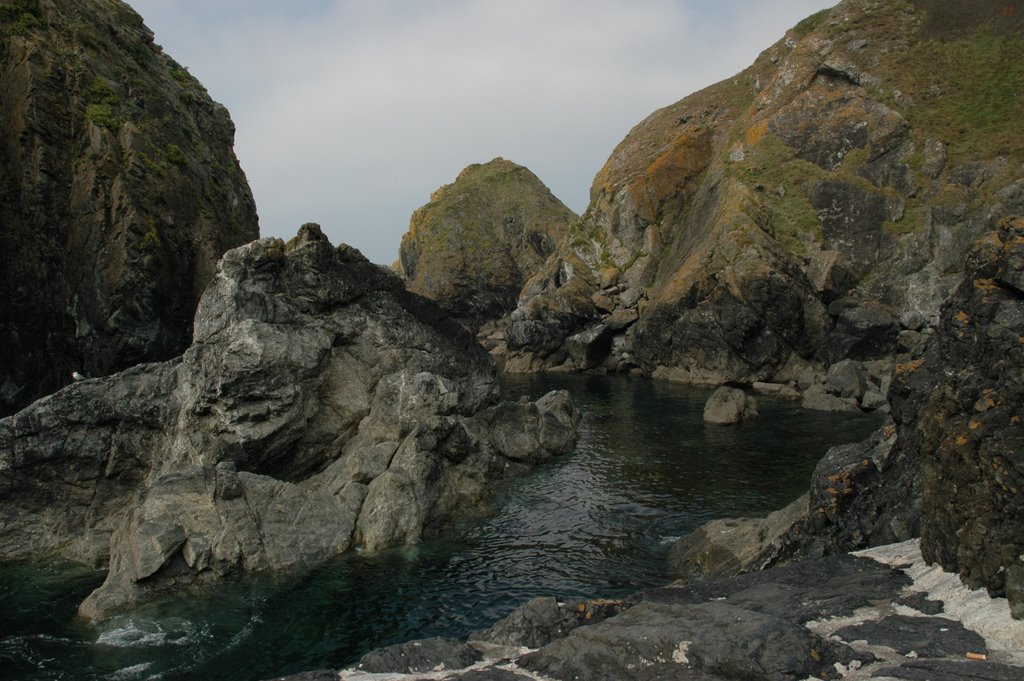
(597,522)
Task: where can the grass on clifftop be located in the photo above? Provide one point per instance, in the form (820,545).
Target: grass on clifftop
(968,93)
(811,23)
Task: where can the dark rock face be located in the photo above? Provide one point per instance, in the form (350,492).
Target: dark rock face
(119,191)
(973,451)
(480,238)
(545,620)
(774,624)
(321,406)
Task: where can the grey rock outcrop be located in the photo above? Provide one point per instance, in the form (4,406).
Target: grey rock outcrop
(320,407)
(119,192)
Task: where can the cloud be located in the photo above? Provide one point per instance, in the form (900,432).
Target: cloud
(351,112)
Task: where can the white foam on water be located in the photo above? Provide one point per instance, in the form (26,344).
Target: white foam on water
(136,671)
(130,633)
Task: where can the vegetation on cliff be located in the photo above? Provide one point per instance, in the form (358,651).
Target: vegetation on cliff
(478,240)
(119,190)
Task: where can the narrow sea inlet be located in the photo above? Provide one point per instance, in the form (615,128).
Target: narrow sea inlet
(595,523)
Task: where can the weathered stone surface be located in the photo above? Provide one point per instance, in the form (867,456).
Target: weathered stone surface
(321,406)
(423,655)
(489,674)
(815,589)
(925,636)
(473,247)
(729,405)
(818,397)
(709,637)
(119,191)
(726,547)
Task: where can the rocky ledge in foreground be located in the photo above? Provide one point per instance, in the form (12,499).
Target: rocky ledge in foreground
(320,407)
(876,615)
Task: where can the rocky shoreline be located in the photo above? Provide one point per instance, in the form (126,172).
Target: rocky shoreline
(883,613)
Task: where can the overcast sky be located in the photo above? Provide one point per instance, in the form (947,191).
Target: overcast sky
(351,112)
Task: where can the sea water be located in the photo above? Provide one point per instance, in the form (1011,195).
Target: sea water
(595,523)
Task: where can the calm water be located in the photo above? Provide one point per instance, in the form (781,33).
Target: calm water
(597,522)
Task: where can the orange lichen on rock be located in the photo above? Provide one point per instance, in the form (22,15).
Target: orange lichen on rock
(755,132)
(909,367)
(986,285)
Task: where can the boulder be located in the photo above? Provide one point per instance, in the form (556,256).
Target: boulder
(544,620)
(320,407)
(676,640)
(729,546)
(819,398)
(848,378)
(729,405)
(590,347)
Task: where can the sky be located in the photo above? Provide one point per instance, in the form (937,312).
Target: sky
(350,113)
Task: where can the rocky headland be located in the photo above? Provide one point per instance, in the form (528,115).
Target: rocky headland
(119,191)
(480,238)
(796,228)
(320,407)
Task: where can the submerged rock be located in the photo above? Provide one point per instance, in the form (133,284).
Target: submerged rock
(729,405)
(320,407)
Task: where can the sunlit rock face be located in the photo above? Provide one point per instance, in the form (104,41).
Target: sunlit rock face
(119,191)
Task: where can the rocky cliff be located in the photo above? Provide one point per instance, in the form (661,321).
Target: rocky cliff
(320,407)
(480,238)
(815,208)
(119,191)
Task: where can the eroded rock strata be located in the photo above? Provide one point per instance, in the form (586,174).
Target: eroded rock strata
(119,191)
(320,407)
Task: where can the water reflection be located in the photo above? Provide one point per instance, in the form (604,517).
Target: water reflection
(597,522)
